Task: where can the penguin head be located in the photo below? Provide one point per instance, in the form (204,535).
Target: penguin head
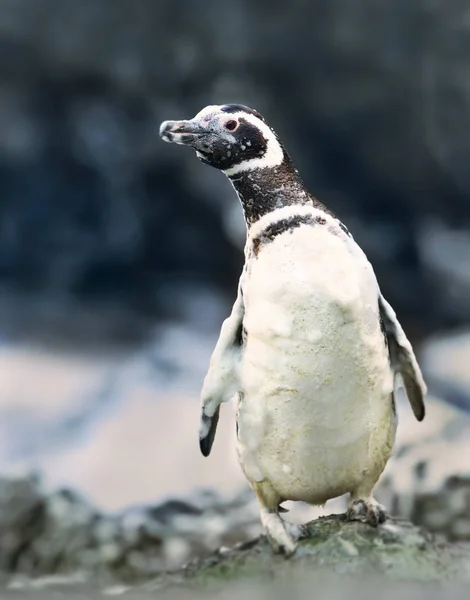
(229,137)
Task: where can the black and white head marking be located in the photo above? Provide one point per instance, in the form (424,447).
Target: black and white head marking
(270,152)
(237,140)
(229,137)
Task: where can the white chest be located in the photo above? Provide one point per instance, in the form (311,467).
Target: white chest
(316,385)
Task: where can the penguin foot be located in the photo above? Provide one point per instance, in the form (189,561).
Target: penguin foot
(367,511)
(282,542)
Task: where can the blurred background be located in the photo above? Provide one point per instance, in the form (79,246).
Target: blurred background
(119,255)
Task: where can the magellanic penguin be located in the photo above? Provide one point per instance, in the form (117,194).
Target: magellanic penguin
(311,349)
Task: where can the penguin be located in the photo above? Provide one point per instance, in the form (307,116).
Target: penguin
(312,352)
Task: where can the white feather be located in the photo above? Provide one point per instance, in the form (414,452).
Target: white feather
(315,376)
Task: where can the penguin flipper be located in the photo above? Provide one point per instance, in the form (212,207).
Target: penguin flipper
(403,359)
(208,424)
(221,381)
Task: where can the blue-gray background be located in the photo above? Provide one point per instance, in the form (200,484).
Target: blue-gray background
(119,254)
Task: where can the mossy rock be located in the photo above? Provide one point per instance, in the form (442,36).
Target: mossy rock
(335,559)
(395,550)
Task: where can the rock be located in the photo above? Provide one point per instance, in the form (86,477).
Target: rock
(59,541)
(427,482)
(21,518)
(428,478)
(357,555)
(395,550)
(60,532)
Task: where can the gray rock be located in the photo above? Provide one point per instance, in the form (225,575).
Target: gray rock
(60,542)
(428,478)
(395,550)
(335,558)
(44,533)
(49,533)
(22,518)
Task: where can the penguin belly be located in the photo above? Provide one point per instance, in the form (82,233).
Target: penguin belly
(316,411)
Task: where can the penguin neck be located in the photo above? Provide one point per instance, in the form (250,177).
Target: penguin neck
(266,189)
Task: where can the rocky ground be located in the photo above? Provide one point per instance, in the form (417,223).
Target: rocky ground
(58,541)
(48,536)
(43,533)
(333,555)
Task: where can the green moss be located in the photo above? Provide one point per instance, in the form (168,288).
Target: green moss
(395,551)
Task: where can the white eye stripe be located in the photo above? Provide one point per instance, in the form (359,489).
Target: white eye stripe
(274,154)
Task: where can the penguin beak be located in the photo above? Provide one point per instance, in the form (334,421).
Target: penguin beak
(181,132)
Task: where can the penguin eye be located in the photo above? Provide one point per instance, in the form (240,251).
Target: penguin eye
(231,125)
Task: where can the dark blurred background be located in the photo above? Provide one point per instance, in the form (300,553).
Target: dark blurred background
(119,255)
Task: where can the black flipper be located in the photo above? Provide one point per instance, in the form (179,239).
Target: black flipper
(402,359)
(208,424)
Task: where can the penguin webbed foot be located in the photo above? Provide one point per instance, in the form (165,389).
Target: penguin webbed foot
(281,541)
(366,511)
